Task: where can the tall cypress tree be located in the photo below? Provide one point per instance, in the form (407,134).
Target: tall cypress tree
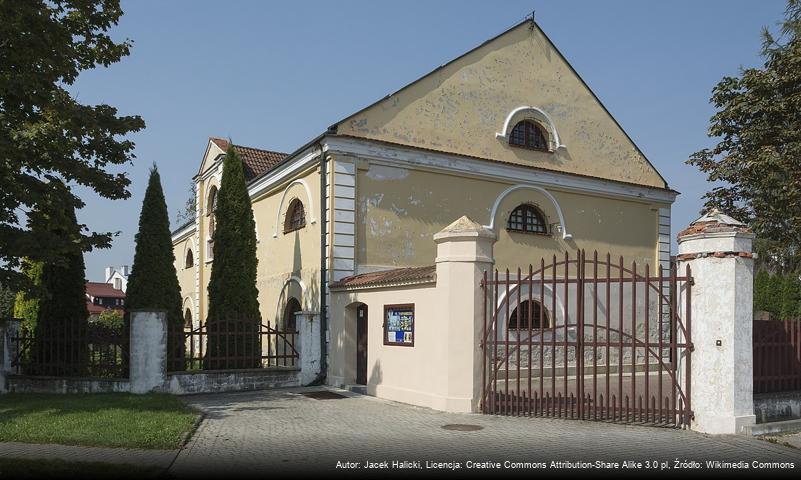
(153,283)
(60,346)
(233,318)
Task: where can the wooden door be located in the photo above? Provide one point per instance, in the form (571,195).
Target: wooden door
(361,344)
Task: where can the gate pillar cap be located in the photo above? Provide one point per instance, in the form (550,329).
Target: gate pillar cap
(714,221)
(464,227)
(715,234)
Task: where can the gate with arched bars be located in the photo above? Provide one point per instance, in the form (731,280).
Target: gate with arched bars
(588,338)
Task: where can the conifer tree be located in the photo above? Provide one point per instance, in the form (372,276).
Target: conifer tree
(60,346)
(761,295)
(153,283)
(233,318)
(791,297)
(775,292)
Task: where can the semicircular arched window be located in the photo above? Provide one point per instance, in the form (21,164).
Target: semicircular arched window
(190,259)
(528,134)
(529,310)
(295,216)
(290,310)
(527,219)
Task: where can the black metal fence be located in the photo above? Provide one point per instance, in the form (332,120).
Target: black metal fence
(92,350)
(233,344)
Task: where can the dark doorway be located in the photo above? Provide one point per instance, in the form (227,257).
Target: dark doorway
(361,344)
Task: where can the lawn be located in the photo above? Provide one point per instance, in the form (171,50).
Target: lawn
(28,468)
(102,420)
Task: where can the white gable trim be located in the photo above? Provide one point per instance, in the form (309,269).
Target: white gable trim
(530,113)
(505,193)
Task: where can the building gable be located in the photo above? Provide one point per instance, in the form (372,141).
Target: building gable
(466,106)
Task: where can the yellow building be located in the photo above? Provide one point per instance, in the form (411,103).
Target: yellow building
(507,134)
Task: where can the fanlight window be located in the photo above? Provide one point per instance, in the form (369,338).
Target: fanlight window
(528,134)
(527,219)
(519,319)
(292,307)
(295,216)
(190,259)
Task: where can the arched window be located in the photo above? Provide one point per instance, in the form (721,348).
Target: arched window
(211,207)
(292,307)
(190,259)
(518,320)
(528,134)
(211,204)
(527,219)
(295,216)
(188,319)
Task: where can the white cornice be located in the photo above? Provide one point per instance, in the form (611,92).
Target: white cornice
(284,171)
(395,155)
(181,234)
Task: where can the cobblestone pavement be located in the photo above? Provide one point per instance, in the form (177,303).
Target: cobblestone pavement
(255,433)
(144,458)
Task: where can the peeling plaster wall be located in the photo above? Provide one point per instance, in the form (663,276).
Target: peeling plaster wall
(401,209)
(460,107)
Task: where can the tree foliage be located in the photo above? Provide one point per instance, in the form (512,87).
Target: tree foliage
(187,213)
(60,333)
(111,319)
(775,292)
(46,135)
(762,294)
(7,300)
(790,297)
(755,164)
(233,295)
(26,305)
(153,283)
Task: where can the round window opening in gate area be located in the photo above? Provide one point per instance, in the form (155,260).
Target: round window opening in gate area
(529,310)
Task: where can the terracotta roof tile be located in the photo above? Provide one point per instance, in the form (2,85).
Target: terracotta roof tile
(397,275)
(105,290)
(254,160)
(98,309)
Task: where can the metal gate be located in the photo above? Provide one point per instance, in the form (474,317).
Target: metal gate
(588,339)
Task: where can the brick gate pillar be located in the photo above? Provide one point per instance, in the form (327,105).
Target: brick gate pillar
(718,250)
(464,252)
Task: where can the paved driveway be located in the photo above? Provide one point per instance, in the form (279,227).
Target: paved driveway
(258,433)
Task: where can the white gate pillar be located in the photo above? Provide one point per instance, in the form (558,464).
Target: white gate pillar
(9,327)
(148,350)
(718,250)
(464,253)
(308,324)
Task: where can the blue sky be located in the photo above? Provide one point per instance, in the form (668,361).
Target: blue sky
(275,74)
